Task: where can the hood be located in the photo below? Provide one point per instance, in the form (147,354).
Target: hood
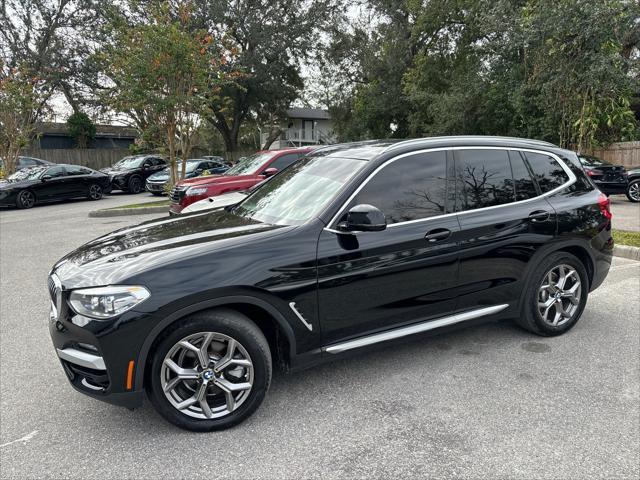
(161,176)
(122,255)
(214,180)
(10,184)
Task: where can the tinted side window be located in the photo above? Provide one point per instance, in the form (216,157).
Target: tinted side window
(522,180)
(56,172)
(284,161)
(547,171)
(409,189)
(483,178)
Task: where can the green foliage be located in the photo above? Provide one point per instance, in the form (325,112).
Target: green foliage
(19,104)
(81,128)
(506,67)
(164,68)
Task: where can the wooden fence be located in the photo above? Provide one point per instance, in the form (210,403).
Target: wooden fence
(92,158)
(624,153)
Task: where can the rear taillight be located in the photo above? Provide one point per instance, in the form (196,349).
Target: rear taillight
(605,205)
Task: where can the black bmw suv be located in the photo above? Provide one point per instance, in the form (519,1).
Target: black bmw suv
(129,174)
(351,246)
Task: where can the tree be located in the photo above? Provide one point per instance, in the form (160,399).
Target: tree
(20,104)
(81,128)
(270,39)
(51,39)
(162,66)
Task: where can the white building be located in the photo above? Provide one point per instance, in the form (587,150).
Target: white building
(305,126)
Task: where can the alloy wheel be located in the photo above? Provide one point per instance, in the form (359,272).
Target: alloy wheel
(27,199)
(559,295)
(95,192)
(136,185)
(207,375)
(634,191)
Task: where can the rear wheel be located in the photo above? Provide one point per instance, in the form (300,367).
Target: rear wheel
(555,296)
(135,185)
(633,191)
(26,199)
(211,372)
(95,192)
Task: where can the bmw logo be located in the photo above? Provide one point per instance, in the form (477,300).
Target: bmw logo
(207,374)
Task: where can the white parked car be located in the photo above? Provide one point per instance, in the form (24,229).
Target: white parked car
(224,200)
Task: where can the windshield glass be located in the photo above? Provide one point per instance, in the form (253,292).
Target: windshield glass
(129,162)
(27,174)
(300,192)
(250,165)
(588,160)
(192,165)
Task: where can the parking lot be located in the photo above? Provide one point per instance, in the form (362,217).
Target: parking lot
(483,402)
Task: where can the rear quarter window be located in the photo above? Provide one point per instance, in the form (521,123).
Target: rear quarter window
(547,171)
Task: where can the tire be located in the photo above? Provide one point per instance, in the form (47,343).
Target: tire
(26,199)
(633,191)
(219,327)
(539,312)
(95,192)
(135,185)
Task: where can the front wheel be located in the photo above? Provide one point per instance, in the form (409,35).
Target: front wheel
(26,199)
(210,372)
(633,191)
(555,296)
(135,185)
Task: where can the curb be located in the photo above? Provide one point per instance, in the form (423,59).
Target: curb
(119,212)
(626,251)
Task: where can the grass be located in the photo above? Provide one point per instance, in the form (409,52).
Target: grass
(159,203)
(622,237)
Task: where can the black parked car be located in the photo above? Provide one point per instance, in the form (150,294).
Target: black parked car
(633,189)
(610,179)
(351,246)
(43,184)
(130,173)
(195,167)
(26,162)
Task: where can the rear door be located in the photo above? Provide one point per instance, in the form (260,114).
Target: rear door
(374,281)
(503,220)
(78,180)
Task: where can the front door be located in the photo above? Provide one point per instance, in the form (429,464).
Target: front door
(54,185)
(374,281)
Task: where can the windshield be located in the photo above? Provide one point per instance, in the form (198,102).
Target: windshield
(250,165)
(129,162)
(588,160)
(27,174)
(300,192)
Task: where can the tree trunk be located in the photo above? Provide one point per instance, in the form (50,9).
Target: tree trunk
(273,136)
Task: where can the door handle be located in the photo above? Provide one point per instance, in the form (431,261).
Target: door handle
(437,234)
(539,216)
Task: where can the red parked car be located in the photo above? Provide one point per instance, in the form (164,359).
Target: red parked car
(242,176)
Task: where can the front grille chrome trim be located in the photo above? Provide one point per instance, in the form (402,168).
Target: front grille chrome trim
(83,359)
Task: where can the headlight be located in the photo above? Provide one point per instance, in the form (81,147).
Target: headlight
(106,302)
(196,191)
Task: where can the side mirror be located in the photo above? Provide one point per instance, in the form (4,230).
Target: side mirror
(269,172)
(44,178)
(364,218)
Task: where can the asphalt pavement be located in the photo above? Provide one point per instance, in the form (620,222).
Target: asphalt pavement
(626,214)
(484,402)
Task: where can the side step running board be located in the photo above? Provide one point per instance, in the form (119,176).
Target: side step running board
(413,329)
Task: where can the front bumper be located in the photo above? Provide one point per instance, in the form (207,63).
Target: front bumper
(98,356)
(155,187)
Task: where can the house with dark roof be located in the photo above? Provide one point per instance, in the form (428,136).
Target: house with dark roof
(52,135)
(305,126)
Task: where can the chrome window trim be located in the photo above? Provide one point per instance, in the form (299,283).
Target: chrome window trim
(413,329)
(567,170)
